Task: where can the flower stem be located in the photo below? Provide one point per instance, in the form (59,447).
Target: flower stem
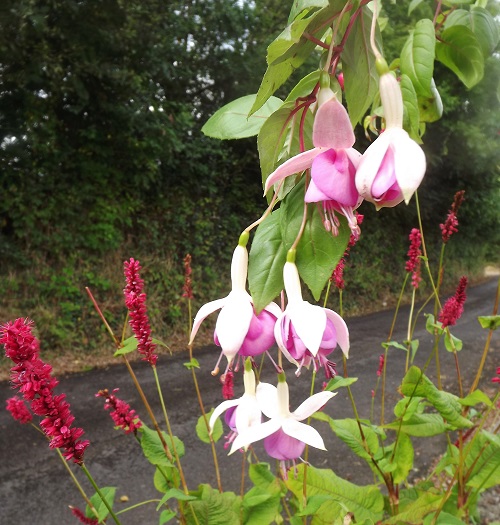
(101,495)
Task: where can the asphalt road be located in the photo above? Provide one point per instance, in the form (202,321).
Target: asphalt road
(35,488)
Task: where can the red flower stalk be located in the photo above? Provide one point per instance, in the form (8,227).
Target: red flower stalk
(414,253)
(381,361)
(450,225)
(496,379)
(135,301)
(33,378)
(188,284)
(18,410)
(454,306)
(121,413)
(82,518)
(338,274)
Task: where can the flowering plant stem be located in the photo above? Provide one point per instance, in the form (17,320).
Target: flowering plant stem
(101,495)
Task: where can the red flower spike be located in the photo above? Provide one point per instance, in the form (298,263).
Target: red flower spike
(121,413)
(18,410)
(82,518)
(450,225)
(188,284)
(135,301)
(414,253)
(454,306)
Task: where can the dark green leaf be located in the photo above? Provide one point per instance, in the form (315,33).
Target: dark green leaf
(411,115)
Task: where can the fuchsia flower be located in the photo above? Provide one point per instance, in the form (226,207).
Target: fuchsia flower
(239,330)
(33,378)
(333,162)
(454,306)
(135,301)
(121,413)
(284,436)
(393,167)
(308,333)
(18,410)
(241,413)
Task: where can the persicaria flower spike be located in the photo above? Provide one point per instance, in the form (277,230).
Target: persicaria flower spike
(32,377)
(135,301)
(496,379)
(333,162)
(121,413)
(337,276)
(393,167)
(284,436)
(188,284)
(454,306)
(239,330)
(307,333)
(18,410)
(414,253)
(82,518)
(450,225)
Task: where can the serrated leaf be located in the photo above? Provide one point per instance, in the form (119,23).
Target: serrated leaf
(99,505)
(364,502)
(266,261)
(491,322)
(232,121)
(358,65)
(417,57)
(318,251)
(480,22)
(460,51)
(202,431)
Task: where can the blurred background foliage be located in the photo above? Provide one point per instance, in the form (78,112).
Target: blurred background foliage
(102,159)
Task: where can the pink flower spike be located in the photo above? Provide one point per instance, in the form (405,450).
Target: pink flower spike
(454,306)
(121,413)
(496,379)
(18,410)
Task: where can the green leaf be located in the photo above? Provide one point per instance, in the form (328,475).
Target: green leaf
(460,51)
(290,49)
(420,425)
(192,363)
(318,251)
(177,494)
(99,505)
(399,462)
(491,322)
(202,431)
(475,398)
(444,518)
(129,345)
(415,383)
(411,114)
(299,6)
(415,512)
(266,261)
(484,461)
(213,508)
(364,502)
(232,121)
(431,108)
(413,5)
(260,507)
(417,57)
(152,446)
(451,342)
(166,516)
(481,23)
(358,65)
(314,503)
(348,431)
(339,382)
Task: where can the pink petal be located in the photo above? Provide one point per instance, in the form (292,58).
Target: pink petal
(332,127)
(281,446)
(314,194)
(296,164)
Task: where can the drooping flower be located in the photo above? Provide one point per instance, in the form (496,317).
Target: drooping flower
(239,330)
(121,413)
(135,301)
(393,167)
(333,162)
(18,410)
(241,413)
(450,225)
(285,437)
(454,306)
(308,333)
(414,252)
(33,379)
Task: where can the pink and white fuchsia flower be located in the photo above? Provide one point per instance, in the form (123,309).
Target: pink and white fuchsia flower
(238,328)
(393,167)
(285,437)
(308,333)
(333,162)
(241,413)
